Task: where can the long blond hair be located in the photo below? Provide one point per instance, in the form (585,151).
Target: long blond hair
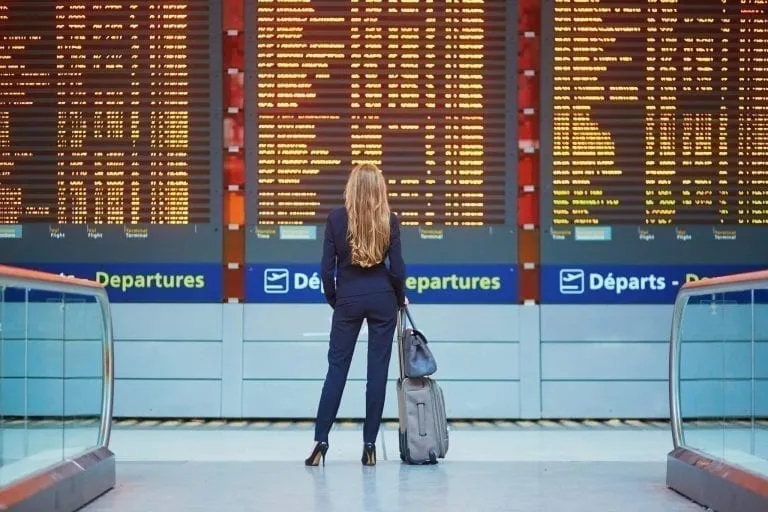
(365,198)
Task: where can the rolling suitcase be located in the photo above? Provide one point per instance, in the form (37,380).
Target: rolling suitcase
(423,431)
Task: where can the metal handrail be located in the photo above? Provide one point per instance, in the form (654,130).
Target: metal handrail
(12,277)
(723,284)
(674,378)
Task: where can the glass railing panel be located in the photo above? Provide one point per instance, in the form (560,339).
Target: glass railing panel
(702,387)
(719,392)
(760,366)
(83,372)
(738,378)
(56,371)
(3,425)
(33,381)
(723,387)
(45,377)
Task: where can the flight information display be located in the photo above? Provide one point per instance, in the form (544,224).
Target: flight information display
(425,89)
(106,128)
(655,114)
(420,88)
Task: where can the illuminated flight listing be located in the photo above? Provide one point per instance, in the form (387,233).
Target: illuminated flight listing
(416,87)
(104,108)
(660,112)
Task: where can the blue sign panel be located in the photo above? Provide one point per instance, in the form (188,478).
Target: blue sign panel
(624,284)
(425,284)
(146,282)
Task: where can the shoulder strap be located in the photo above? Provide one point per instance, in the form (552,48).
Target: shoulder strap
(408,315)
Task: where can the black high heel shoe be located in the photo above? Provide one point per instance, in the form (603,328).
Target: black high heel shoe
(317,455)
(369,454)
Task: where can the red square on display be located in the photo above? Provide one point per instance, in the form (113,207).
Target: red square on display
(234,54)
(233,90)
(233,130)
(233,14)
(234,170)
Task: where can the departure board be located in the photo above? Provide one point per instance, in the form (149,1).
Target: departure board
(106,124)
(426,89)
(102,113)
(654,119)
(418,87)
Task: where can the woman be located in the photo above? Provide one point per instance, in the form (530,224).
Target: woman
(358,238)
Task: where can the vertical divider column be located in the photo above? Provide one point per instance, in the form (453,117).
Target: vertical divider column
(528,214)
(528,30)
(234,161)
(232,360)
(234,209)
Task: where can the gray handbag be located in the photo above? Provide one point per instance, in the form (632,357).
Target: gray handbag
(418,360)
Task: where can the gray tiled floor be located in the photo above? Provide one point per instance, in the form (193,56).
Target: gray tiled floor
(511,470)
(390,486)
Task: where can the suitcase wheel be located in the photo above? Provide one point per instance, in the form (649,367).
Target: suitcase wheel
(432,457)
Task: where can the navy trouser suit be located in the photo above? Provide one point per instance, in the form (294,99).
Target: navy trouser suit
(372,294)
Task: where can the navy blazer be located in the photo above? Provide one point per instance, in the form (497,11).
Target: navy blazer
(352,279)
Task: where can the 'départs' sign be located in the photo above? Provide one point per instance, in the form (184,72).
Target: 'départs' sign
(624,284)
(437,284)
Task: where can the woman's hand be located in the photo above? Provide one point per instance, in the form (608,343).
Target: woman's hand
(405,302)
